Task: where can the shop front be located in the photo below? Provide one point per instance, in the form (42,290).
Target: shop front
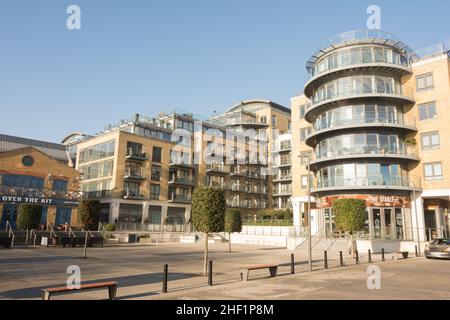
(387,217)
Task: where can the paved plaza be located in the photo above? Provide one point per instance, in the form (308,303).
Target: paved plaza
(138,270)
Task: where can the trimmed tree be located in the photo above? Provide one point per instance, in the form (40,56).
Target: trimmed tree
(350,217)
(208,215)
(29,216)
(233,223)
(89,214)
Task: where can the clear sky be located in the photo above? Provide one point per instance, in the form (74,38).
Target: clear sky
(149,56)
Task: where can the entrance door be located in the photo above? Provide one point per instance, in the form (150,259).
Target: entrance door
(63,215)
(44,216)
(430,224)
(9,214)
(376,223)
(388,215)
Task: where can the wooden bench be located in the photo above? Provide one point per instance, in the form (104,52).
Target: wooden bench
(404,254)
(273,268)
(112,289)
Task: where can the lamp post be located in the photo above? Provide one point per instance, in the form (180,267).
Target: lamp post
(309,215)
(417,217)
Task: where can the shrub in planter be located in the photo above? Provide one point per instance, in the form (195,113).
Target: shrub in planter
(29,216)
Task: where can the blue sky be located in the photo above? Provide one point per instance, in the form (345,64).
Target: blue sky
(150,56)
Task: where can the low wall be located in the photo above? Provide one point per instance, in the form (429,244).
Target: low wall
(388,245)
(266,230)
(259,240)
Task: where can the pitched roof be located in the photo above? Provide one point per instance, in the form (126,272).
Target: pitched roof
(53,150)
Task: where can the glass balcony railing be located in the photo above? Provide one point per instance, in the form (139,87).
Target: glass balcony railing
(353,119)
(365,54)
(182,180)
(402,150)
(372,36)
(133,174)
(337,182)
(180,198)
(359,86)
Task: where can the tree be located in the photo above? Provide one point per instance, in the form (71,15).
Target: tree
(208,214)
(233,223)
(29,216)
(88,214)
(349,217)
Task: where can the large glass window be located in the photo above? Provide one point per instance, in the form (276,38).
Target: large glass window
(97,152)
(157,154)
(427,111)
(430,140)
(22,181)
(425,82)
(433,171)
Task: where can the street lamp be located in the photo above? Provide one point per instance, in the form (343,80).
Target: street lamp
(309,211)
(417,216)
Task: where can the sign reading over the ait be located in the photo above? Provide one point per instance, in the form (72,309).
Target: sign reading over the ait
(36,200)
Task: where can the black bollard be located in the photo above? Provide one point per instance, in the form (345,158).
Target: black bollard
(341,259)
(382,255)
(165,277)
(417,252)
(210,275)
(292,264)
(357,257)
(325,260)
(369,257)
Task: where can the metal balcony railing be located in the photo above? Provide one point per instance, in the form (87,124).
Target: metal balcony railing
(182,180)
(385,151)
(12,191)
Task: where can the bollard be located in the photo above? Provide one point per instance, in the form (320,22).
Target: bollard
(210,273)
(292,264)
(417,252)
(369,257)
(165,277)
(341,259)
(382,255)
(325,260)
(85,246)
(357,257)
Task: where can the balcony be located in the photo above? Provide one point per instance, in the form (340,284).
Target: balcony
(255,175)
(282,193)
(391,93)
(284,163)
(99,194)
(132,194)
(406,123)
(180,164)
(281,178)
(238,188)
(368,152)
(134,156)
(180,198)
(189,181)
(238,173)
(216,169)
(343,183)
(133,175)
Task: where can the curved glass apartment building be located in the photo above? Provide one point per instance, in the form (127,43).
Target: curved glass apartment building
(361,134)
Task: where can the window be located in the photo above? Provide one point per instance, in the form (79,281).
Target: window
(155,191)
(156,173)
(430,140)
(60,185)
(427,111)
(304,179)
(274,121)
(157,154)
(304,158)
(302,111)
(304,133)
(425,82)
(433,171)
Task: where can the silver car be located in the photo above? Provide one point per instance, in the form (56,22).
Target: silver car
(439,248)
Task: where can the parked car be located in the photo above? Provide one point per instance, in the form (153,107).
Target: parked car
(439,248)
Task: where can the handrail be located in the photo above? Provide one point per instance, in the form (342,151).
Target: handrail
(70,230)
(10,233)
(33,232)
(106,234)
(52,232)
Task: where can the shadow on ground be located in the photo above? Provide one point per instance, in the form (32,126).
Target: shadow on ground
(128,281)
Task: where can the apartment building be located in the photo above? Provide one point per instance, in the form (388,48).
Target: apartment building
(373,113)
(144,170)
